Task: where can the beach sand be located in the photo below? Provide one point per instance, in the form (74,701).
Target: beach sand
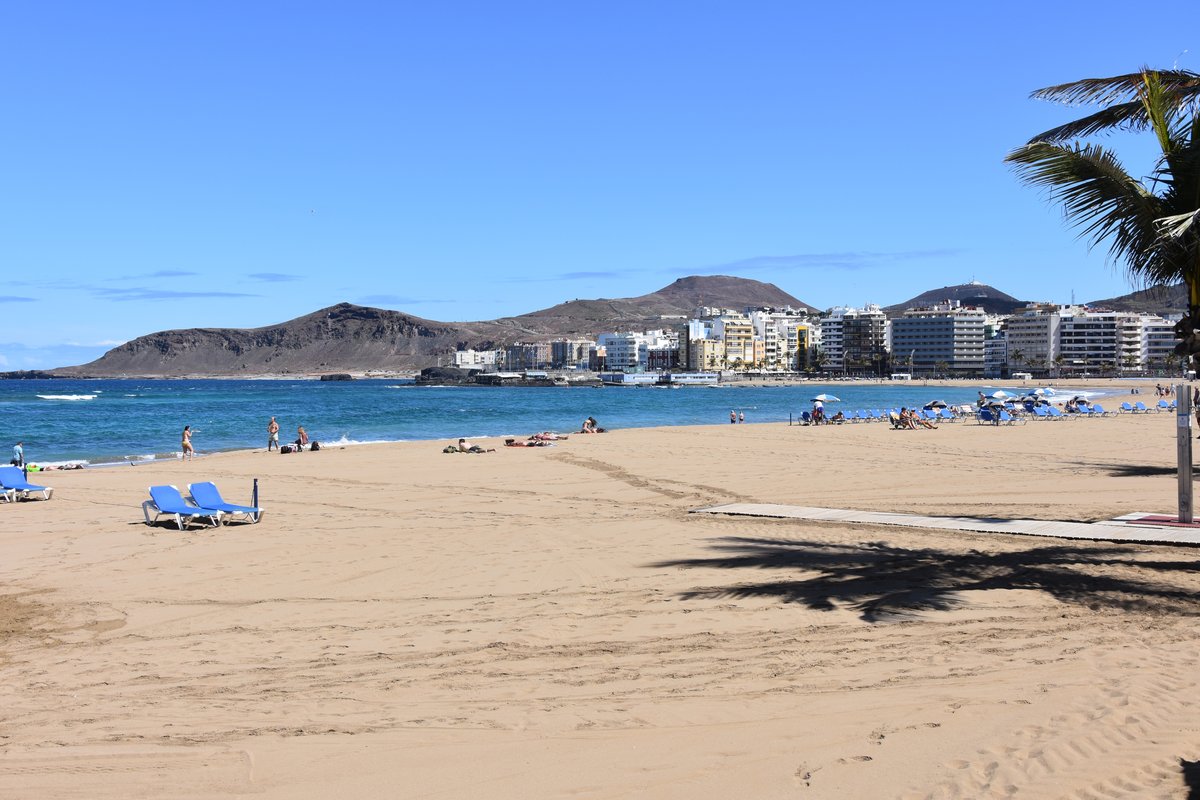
(553,622)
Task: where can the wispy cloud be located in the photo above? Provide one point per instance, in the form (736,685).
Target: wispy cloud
(389,300)
(9,298)
(273,277)
(160,273)
(845,261)
(591,275)
(160,294)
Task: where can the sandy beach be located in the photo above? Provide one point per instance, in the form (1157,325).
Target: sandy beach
(553,622)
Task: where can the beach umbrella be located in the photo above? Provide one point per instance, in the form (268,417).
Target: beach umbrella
(999,394)
(935,404)
(827,398)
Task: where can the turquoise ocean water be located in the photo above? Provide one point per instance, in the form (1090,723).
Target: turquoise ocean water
(105,421)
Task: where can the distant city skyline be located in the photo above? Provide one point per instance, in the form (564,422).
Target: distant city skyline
(233,165)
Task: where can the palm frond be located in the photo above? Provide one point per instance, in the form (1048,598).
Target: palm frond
(1130,116)
(1120,88)
(1097,196)
(1124,98)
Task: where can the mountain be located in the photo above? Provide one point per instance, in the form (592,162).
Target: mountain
(350,338)
(682,297)
(1155,300)
(989,298)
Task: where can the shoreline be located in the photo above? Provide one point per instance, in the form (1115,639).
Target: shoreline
(1093,391)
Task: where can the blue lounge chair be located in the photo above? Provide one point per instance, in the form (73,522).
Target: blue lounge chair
(1140,407)
(985,415)
(805,418)
(946,415)
(1127,408)
(1098,411)
(1008,419)
(167,501)
(206,495)
(1054,413)
(1163,405)
(13,478)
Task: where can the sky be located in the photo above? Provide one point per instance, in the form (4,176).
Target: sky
(233,164)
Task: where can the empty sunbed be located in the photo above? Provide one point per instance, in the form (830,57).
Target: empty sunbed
(13,478)
(167,501)
(1140,407)
(1008,419)
(206,495)
(1098,411)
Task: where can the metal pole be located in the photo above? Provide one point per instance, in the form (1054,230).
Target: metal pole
(1183,439)
(254,499)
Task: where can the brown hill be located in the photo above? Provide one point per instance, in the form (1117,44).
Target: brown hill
(350,338)
(684,296)
(1159,300)
(980,295)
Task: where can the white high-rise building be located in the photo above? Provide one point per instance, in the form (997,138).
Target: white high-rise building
(854,339)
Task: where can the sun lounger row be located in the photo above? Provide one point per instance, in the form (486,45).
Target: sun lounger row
(1140,407)
(14,486)
(204,506)
(882,415)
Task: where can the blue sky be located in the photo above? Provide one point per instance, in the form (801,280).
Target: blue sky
(176,165)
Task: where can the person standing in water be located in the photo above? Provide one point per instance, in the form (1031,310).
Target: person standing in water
(186,444)
(272,435)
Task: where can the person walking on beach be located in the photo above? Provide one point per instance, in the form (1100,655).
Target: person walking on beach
(18,459)
(186,444)
(272,435)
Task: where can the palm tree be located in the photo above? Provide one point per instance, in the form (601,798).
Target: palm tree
(1153,227)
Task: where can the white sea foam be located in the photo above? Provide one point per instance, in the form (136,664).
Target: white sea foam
(67,396)
(345,441)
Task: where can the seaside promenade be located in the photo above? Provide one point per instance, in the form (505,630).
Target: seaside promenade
(555,622)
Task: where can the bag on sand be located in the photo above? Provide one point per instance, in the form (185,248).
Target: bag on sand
(315,446)
(286,448)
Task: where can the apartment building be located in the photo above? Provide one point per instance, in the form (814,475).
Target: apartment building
(854,340)
(946,338)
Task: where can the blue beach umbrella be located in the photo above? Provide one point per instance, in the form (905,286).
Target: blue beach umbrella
(827,398)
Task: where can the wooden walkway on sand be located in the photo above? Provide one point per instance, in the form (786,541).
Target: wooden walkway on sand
(1124,529)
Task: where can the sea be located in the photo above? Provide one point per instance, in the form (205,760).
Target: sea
(99,422)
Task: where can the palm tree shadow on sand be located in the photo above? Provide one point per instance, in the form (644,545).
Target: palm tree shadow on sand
(883,582)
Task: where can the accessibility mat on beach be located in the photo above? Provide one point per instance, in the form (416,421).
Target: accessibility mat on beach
(1115,531)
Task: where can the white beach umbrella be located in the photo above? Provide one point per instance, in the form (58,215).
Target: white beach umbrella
(999,394)
(827,398)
